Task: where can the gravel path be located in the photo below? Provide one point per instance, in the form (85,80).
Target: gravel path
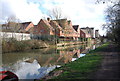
(110,66)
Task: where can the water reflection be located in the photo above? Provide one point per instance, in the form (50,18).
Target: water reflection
(31,70)
(36,64)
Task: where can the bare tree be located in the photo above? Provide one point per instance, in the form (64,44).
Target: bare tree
(56,13)
(13,24)
(106,1)
(113,22)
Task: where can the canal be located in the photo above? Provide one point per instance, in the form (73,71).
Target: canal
(37,63)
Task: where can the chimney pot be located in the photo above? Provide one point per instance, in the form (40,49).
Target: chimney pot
(48,19)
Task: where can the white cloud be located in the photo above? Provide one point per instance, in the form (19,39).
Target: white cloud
(5,10)
(25,11)
(81,12)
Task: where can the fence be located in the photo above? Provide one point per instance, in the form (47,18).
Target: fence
(17,36)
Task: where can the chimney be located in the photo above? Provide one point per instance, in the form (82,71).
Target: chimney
(48,19)
(69,22)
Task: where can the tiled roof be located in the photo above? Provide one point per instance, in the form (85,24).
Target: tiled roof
(25,24)
(55,23)
(61,22)
(86,32)
(47,23)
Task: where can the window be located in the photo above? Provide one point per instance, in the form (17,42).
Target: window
(41,31)
(82,35)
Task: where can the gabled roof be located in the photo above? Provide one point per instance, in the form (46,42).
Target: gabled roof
(47,23)
(4,25)
(25,23)
(82,30)
(70,26)
(61,22)
(60,19)
(26,26)
(55,23)
(85,27)
(76,27)
(86,32)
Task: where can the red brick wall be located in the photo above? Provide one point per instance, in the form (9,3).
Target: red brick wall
(73,33)
(57,30)
(29,26)
(82,34)
(42,28)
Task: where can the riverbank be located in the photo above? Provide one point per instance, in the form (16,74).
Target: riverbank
(79,69)
(12,45)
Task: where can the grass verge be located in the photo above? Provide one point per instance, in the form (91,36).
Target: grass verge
(12,45)
(81,68)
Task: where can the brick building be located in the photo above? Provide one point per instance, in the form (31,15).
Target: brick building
(97,34)
(44,28)
(69,32)
(26,27)
(61,28)
(89,32)
(58,29)
(77,29)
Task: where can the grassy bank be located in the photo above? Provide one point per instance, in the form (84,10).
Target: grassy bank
(81,68)
(12,45)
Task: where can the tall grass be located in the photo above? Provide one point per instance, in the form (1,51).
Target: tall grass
(12,45)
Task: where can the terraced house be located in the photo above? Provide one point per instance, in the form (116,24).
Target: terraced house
(69,32)
(25,27)
(81,34)
(61,28)
(44,28)
(47,29)
(89,32)
(77,29)
(54,29)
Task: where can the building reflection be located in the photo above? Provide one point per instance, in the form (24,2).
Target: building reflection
(43,59)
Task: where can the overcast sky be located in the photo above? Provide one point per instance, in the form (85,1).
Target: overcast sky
(80,12)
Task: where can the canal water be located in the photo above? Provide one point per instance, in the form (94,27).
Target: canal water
(37,63)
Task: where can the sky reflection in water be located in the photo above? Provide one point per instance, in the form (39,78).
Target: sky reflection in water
(32,70)
(41,64)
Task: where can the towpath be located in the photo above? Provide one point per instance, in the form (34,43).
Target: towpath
(110,66)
